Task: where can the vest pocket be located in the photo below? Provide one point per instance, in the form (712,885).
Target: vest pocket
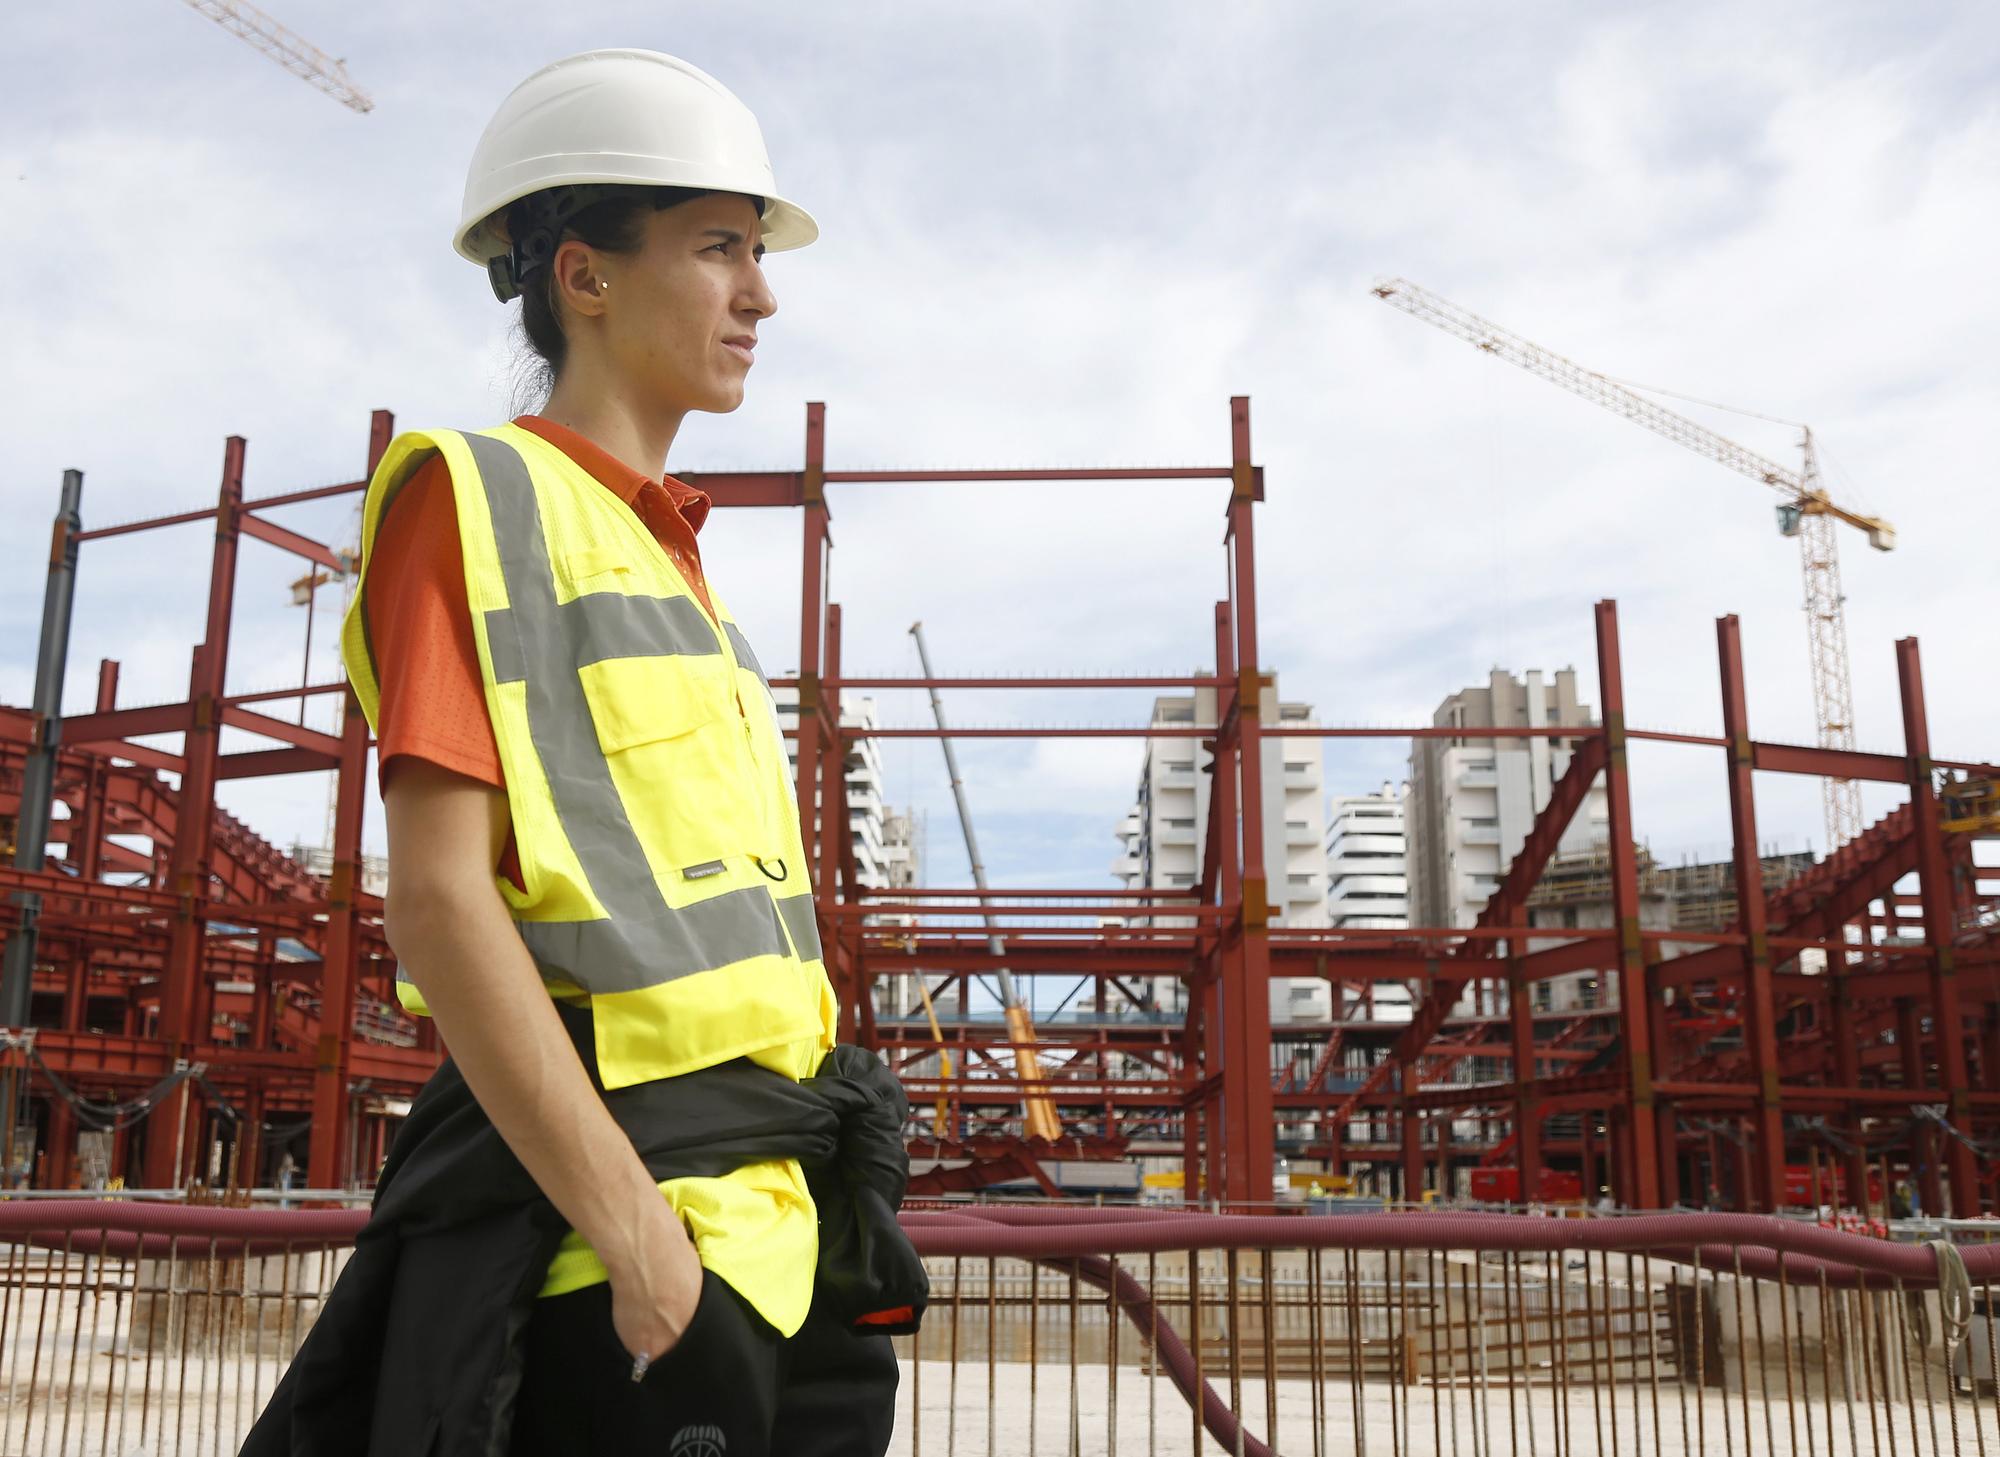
(669,729)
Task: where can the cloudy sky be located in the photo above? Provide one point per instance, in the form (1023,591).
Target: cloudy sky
(1066,235)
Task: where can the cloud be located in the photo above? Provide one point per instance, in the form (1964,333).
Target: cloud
(1067,236)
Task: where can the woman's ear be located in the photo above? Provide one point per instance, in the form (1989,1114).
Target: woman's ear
(577,283)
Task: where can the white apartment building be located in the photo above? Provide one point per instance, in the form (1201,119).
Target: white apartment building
(1368,860)
(902,865)
(866,813)
(1161,835)
(1473,801)
(888,845)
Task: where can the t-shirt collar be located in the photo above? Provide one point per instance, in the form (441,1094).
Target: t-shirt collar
(616,476)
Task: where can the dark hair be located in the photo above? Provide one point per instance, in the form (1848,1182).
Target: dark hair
(614,224)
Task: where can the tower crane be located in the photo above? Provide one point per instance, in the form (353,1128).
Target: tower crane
(1807,513)
(290,50)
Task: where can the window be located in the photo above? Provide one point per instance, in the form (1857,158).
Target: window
(1300,879)
(1178,766)
(1180,880)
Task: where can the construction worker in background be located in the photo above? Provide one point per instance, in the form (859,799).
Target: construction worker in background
(647,1206)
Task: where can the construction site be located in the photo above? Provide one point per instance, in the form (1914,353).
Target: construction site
(204,1004)
(1731,1070)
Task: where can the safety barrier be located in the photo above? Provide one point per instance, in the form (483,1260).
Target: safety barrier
(148,1328)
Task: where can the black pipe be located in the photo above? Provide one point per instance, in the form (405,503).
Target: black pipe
(38,777)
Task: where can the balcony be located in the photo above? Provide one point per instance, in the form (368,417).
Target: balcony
(1348,842)
(1177,835)
(1477,777)
(1474,833)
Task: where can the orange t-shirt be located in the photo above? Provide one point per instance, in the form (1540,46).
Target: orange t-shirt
(433,704)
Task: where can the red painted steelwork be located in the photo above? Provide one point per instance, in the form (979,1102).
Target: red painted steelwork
(171,934)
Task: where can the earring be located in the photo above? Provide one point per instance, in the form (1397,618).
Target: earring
(603,284)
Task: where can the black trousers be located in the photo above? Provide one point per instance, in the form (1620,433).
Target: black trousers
(732,1387)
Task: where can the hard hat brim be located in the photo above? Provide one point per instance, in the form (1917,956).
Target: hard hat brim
(786,225)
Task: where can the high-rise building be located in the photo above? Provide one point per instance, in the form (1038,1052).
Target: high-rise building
(1473,801)
(1161,835)
(887,842)
(902,866)
(1367,860)
(865,810)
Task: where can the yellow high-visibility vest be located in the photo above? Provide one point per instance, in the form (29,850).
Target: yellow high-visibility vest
(663,874)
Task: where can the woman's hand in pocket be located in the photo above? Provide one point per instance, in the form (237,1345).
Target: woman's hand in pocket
(654,1296)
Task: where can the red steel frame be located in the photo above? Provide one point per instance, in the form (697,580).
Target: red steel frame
(1748,1046)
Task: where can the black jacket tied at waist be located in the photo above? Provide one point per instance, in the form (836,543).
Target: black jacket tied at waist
(418,1347)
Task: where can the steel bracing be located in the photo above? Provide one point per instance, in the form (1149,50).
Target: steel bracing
(191,982)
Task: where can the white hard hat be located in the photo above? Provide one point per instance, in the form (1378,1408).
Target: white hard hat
(622,118)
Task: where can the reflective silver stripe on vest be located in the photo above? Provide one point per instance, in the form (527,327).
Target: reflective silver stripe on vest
(601,625)
(740,645)
(642,941)
(625,953)
(800,920)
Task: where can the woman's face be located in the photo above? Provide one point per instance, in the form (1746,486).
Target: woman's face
(681,314)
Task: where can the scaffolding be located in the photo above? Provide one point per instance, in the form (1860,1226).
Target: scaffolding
(1835,1013)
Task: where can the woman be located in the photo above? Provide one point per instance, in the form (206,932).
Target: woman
(614,1221)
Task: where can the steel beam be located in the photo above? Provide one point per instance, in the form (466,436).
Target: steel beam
(1940,928)
(1635,1026)
(1767,1117)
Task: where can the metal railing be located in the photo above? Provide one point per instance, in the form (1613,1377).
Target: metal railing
(151,1328)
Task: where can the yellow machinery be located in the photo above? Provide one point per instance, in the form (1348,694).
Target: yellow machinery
(1971,806)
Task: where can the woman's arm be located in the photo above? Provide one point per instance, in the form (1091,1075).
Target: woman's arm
(452,933)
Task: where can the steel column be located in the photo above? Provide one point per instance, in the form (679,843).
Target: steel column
(1222,865)
(833,876)
(329,1154)
(1924,1171)
(1635,1027)
(1767,1118)
(194,826)
(38,774)
(813,546)
(1248,1129)
(1940,929)
(1527,1112)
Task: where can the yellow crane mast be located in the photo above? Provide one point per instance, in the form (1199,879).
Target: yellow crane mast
(1807,513)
